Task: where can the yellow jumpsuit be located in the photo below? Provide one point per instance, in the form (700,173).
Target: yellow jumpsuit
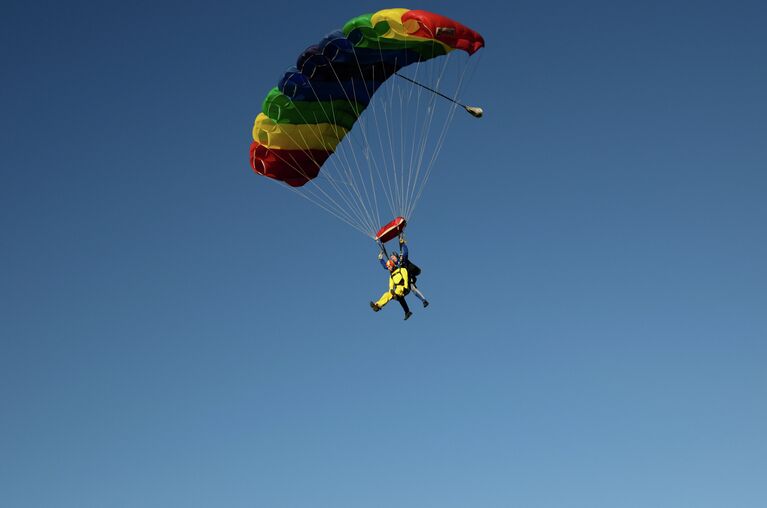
(399,286)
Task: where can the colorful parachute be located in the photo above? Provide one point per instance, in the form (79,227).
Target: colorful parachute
(317,103)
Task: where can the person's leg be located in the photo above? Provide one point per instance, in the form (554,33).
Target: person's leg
(420,295)
(403,303)
(417,292)
(385,298)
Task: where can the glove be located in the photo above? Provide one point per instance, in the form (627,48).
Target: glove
(401,239)
(380,255)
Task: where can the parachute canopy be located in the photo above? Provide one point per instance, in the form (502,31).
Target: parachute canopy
(316,103)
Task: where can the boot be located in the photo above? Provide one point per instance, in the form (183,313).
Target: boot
(407,315)
(375,307)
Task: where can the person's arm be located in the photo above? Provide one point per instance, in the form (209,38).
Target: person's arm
(403,246)
(381,260)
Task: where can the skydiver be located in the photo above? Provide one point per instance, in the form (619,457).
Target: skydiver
(413,271)
(399,280)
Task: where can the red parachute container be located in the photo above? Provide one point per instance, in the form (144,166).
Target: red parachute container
(391,230)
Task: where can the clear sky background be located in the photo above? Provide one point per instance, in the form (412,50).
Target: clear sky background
(177,331)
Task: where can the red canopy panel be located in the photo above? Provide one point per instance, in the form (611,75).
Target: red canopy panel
(452,33)
(294,167)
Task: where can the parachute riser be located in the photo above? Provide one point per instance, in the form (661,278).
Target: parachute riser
(387,254)
(383,248)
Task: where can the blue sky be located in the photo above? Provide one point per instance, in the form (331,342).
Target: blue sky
(176,331)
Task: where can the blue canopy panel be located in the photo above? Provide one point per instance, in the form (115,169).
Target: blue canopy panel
(299,87)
